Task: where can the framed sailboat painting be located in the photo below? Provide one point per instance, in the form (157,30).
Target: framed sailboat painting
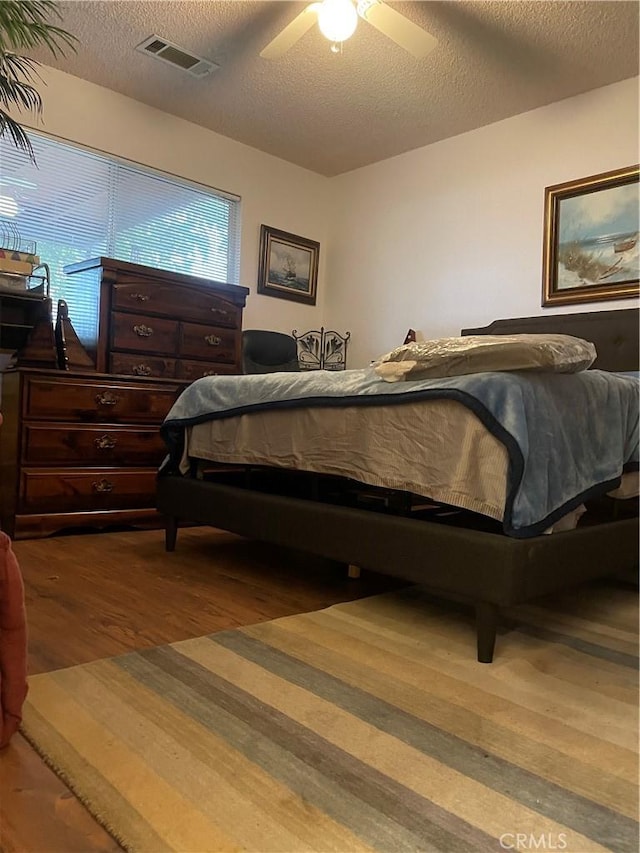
(288,266)
(591,248)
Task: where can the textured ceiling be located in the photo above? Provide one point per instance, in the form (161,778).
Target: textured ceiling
(332,113)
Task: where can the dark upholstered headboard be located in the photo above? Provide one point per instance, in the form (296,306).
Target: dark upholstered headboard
(615,334)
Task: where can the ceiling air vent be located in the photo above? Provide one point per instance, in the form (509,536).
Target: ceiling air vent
(170,53)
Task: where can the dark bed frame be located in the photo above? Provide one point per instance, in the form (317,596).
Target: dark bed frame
(480,566)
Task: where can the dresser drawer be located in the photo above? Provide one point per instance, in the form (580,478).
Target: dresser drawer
(65,430)
(101,402)
(182,303)
(86,489)
(143,365)
(44,444)
(141,333)
(208,342)
(192,370)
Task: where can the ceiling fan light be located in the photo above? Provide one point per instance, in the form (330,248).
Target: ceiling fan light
(337,19)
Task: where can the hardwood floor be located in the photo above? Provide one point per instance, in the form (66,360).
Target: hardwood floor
(100,595)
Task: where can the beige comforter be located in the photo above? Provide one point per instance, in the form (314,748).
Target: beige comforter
(448,456)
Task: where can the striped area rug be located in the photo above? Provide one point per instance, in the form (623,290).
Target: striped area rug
(366,726)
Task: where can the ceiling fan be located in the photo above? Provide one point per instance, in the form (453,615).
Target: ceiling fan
(338,19)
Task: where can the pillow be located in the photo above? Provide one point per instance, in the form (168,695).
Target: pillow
(480,353)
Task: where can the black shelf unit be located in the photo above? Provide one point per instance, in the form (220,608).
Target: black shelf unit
(19,311)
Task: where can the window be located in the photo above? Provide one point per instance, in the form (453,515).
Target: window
(76,204)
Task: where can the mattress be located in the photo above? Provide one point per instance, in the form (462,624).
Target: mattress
(448,457)
(541,444)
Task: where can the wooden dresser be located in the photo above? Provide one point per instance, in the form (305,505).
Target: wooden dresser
(82,449)
(158,324)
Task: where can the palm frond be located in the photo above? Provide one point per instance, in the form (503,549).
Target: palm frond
(18,136)
(20,69)
(22,95)
(24,25)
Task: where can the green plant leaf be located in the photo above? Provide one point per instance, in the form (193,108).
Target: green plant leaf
(24,25)
(18,136)
(21,95)
(19,68)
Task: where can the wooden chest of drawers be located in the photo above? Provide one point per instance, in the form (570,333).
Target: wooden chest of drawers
(83,449)
(79,449)
(158,324)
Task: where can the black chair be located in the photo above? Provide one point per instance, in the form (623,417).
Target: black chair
(268,352)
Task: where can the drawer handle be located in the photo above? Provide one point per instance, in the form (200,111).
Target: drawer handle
(102,486)
(107,399)
(213,340)
(141,370)
(143,331)
(105,442)
(210,373)
(141,297)
(220,311)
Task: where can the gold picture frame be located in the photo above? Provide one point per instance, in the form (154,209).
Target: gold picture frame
(591,239)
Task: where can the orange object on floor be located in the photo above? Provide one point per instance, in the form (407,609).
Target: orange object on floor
(13,642)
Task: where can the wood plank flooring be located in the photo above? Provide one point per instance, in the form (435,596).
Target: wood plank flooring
(99,595)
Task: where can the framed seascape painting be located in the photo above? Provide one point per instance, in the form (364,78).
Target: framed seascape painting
(288,266)
(591,239)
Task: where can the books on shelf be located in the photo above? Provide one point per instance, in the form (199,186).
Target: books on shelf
(17,267)
(11,281)
(14,255)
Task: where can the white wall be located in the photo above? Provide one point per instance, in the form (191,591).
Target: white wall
(273,192)
(437,239)
(450,235)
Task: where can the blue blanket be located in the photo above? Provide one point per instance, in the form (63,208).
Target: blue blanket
(568,436)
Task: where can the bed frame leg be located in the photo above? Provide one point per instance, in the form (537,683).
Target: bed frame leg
(170,532)
(486,626)
(353,571)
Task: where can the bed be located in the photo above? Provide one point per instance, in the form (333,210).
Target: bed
(485,549)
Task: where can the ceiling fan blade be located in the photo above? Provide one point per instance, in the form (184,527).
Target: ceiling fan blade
(292,32)
(401,30)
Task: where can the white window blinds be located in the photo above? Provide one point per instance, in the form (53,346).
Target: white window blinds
(76,204)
